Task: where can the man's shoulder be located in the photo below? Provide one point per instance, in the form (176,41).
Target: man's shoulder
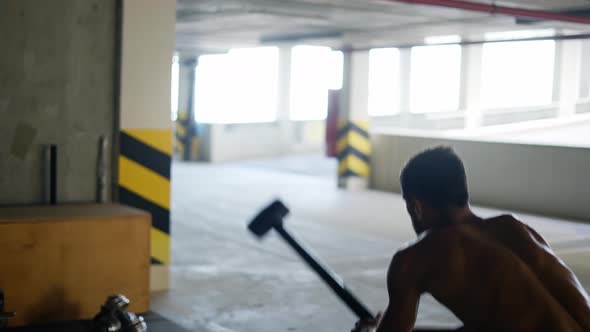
(411,263)
(445,240)
(408,257)
(410,249)
(511,223)
(401,266)
(507,218)
(419,249)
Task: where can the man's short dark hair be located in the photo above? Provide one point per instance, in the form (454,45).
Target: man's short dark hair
(436,176)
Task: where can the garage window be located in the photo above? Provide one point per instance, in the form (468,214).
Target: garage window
(384,81)
(314,70)
(517,74)
(435,77)
(237,87)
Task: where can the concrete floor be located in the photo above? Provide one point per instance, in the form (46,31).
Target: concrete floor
(223,279)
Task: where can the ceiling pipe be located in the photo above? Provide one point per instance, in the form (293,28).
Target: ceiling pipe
(501,10)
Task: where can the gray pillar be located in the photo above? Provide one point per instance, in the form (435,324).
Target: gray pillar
(354,147)
(284,98)
(471,62)
(186,135)
(405,61)
(585,69)
(569,78)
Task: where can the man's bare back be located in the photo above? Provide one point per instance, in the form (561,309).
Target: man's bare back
(494,275)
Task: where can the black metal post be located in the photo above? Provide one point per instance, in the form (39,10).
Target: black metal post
(333,280)
(53,174)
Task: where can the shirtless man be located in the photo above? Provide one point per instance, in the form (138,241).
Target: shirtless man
(494,274)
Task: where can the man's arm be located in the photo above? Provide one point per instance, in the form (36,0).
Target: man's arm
(561,281)
(404,295)
(403,282)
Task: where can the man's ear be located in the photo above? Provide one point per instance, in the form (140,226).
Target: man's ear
(418,209)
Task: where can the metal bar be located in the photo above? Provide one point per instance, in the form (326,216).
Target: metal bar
(101,173)
(53,174)
(331,278)
(115,138)
(46,174)
(495,9)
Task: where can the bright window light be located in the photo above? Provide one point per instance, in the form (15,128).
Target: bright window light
(435,77)
(384,81)
(519,34)
(335,65)
(314,70)
(174,89)
(517,74)
(448,39)
(237,87)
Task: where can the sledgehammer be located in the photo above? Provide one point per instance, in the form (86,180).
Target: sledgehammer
(272,217)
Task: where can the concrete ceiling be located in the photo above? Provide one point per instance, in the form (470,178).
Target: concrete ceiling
(208,26)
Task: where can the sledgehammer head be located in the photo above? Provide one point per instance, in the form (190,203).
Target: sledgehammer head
(268,218)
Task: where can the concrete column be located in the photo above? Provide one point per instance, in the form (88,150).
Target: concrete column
(284,98)
(471,61)
(186,69)
(585,69)
(146,128)
(405,60)
(353,147)
(186,136)
(557,73)
(569,53)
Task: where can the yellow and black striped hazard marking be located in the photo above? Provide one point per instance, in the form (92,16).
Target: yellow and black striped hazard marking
(144,182)
(180,134)
(354,149)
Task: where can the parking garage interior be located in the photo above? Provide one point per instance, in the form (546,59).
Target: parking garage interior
(141,137)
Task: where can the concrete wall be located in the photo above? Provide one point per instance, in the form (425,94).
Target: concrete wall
(56,86)
(498,117)
(240,141)
(549,180)
(226,142)
(458,120)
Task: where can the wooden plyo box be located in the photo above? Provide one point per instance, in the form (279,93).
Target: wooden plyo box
(61,262)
